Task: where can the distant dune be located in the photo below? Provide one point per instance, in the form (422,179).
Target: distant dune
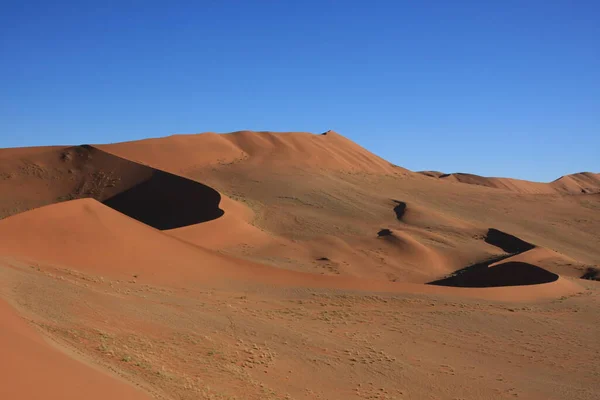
(580,183)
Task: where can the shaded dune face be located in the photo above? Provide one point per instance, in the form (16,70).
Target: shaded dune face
(159,199)
(167,201)
(399,209)
(512,273)
(592,274)
(508,243)
(156,198)
(506,274)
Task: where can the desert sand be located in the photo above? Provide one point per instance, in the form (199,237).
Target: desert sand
(262,265)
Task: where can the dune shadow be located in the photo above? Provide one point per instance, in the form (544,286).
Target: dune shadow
(508,243)
(592,274)
(154,197)
(400,209)
(512,273)
(508,274)
(384,232)
(167,201)
(474,268)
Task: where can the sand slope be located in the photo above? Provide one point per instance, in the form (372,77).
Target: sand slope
(89,236)
(583,182)
(32,369)
(86,236)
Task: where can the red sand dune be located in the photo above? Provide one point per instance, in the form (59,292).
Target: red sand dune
(184,153)
(585,182)
(233,228)
(37,177)
(89,237)
(254,263)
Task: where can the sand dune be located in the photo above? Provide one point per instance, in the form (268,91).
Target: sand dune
(514,268)
(232,229)
(143,193)
(330,151)
(503,274)
(580,183)
(89,237)
(583,182)
(86,236)
(287,265)
(428,242)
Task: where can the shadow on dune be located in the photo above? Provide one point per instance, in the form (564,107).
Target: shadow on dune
(508,243)
(512,273)
(167,201)
(592,274)
(384,232)
(156,198)
(507,274)
(400,209)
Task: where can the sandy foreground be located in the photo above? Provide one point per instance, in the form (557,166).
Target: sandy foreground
(259,265)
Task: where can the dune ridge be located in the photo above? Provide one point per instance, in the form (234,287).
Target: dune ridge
(578,183)
(330,151)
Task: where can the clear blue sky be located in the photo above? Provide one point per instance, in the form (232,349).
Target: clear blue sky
(498,88)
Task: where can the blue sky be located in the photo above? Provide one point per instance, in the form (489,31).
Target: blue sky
(497,88)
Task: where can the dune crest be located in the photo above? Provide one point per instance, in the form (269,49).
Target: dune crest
(330,151)
(579,183)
